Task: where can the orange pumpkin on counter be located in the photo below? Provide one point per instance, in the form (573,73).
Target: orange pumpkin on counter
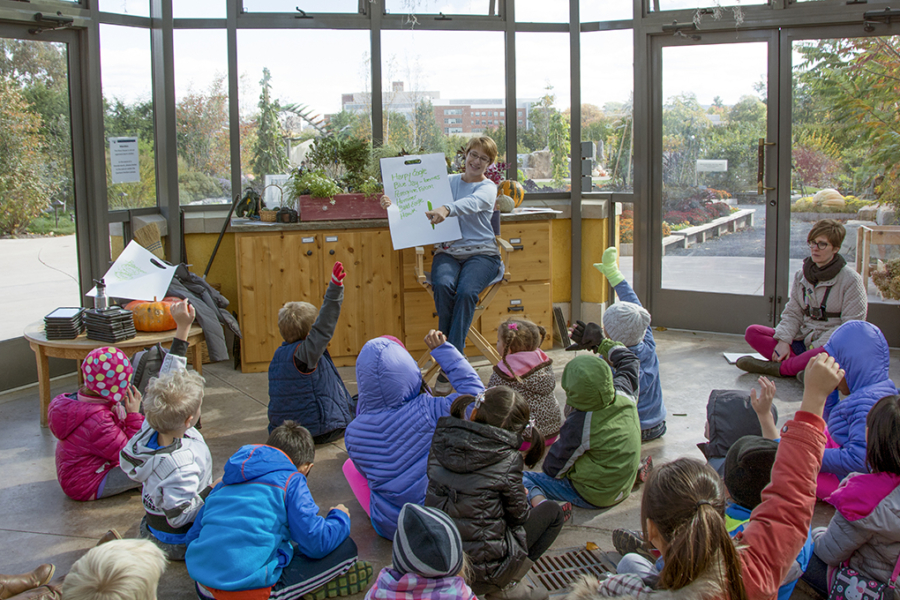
(155,315)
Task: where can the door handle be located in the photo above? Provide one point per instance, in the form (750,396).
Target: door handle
(309,252)
(761,167)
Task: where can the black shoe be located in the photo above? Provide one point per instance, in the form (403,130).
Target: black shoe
(763,367)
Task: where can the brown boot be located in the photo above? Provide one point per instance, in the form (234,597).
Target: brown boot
(763,367)
(10,585)
(109,536)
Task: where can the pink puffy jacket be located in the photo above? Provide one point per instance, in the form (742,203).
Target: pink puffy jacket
(91,433)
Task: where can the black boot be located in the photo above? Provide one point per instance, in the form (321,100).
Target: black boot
(763,367)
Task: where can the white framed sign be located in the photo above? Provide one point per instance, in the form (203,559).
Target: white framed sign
(416,184)
(124,162)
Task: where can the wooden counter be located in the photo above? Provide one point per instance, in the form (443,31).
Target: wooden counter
(292,262)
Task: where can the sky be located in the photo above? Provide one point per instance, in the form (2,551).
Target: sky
(314,67)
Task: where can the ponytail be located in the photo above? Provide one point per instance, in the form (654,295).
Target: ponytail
(684,500)
(536,451)
(458,408)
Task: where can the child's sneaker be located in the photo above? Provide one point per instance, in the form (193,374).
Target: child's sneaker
(644,470)
(442,387)
(352,582)
(627,541)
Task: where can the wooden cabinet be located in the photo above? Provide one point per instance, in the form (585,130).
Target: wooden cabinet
(381,294)
(283,266)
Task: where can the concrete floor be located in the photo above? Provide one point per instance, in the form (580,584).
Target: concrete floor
(38,523)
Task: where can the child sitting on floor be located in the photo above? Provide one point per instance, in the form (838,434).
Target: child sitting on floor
(168,456)
(428,559)
(628,322)
(304,384)
(748,470)
(120,569)
(595,461)
(259,534)
(861,350)
(682,513)
(94,424)
(526,369)
(864,532)
(389,439)
(475,476)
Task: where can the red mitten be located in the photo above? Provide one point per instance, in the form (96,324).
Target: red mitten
(337,274)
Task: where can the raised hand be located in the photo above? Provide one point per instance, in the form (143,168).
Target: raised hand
(762,405)
(385,201)
(434,339)
(132,399)
(586,336)
(183,313)
(822,376)
(338,274)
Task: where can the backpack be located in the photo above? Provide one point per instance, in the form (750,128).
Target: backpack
(146,364)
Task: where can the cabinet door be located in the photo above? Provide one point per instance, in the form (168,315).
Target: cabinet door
(530,259)
(371,305)
(530,301)
(273,268)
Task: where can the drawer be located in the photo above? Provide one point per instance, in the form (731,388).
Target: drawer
(419,318)
(530,259)
(530,301)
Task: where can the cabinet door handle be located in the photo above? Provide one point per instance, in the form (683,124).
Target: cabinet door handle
(515,308)
(331,252)
(522,247)
(309,252)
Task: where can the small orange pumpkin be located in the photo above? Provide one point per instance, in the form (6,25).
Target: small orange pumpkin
(155,315)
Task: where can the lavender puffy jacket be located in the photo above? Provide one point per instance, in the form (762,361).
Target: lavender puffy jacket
(91,434)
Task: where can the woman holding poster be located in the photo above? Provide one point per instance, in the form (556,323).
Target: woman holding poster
(463,268)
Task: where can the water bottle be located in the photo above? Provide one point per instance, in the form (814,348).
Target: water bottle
(101,301)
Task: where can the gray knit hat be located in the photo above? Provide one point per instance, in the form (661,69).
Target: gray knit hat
(427,543)
(626,322)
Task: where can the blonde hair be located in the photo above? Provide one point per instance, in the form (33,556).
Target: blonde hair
(486,144)
(116,570)
(295,320)
(171,398)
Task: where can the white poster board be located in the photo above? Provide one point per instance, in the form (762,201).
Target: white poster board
(416,184)
(137,274)
(124,162)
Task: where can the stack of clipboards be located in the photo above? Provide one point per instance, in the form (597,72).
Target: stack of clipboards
(64,323)
(110,325)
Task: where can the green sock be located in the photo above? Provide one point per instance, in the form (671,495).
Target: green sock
(609,268)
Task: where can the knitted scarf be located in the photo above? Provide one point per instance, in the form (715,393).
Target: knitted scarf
(814,273)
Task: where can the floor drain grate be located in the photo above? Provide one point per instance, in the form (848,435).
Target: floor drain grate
(558,572)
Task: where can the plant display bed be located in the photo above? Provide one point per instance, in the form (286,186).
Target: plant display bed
(345,207)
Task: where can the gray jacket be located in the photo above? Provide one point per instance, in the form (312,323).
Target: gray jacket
(847,297)
(864,530)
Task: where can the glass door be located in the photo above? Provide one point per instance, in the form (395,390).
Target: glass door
(845,153)
(714,203)
(39,247)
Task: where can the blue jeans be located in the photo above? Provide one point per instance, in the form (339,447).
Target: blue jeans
(457,284)
(538,483)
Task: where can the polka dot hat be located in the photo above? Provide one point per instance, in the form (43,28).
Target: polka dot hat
(107,372)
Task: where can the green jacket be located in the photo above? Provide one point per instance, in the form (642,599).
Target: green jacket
(599,446)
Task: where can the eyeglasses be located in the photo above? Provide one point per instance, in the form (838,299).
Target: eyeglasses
(819,245)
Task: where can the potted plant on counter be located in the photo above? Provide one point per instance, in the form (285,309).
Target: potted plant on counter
(341,184)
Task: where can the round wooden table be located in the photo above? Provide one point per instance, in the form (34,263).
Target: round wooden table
(81,346)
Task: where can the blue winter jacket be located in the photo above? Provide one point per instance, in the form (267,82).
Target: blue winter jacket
(241,539)
(861,350)
(395,419)
(651,409)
